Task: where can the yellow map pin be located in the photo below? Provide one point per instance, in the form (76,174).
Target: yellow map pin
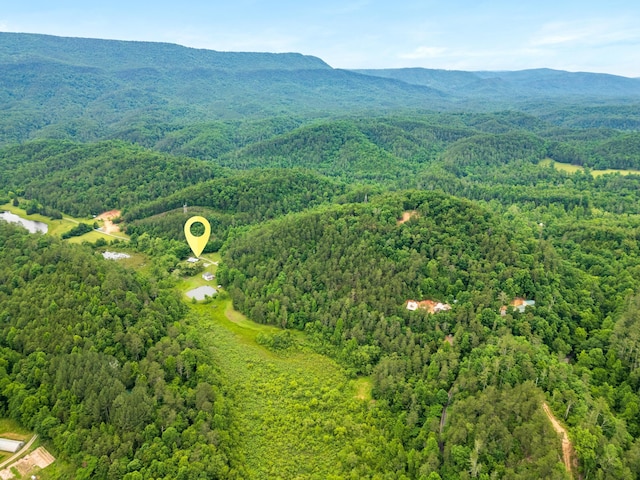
(197,244)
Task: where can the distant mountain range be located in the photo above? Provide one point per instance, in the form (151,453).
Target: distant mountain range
(88,89)
(536,83)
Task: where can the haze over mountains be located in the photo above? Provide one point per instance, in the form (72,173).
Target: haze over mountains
(88,88)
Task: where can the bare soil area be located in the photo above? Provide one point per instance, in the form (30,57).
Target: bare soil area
(36,460)
(107,221)
(406,216)
(567,449)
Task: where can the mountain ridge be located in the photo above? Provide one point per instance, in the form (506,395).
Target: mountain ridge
(92,89)
(528,82)
(64,49)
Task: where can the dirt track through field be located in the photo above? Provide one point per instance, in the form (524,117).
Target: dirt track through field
(567,448)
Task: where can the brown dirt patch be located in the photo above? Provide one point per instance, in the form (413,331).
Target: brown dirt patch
(567,448)
(107,221)
(110,215)
(406,216)
(38,459)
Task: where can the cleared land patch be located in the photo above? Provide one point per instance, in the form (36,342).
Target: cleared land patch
(297,413)
(406,216)
(37,460)
(569,168)
(107,221)
(58,227)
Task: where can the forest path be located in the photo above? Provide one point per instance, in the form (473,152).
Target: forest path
(567,448)
(296,411)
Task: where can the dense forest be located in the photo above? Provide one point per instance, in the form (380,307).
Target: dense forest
(336,200)
(100,361)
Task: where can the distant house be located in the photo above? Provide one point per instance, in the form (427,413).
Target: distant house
(412,305)
(208,276)
(519,304)
(441,307)
(193,260)
(428,305)
(11,446)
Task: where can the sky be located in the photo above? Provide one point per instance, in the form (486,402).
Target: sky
(594,36)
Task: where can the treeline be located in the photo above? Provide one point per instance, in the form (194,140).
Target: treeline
(391,150)
(529,185)
(492,149)
(261,194)
(333,149)
(101,362)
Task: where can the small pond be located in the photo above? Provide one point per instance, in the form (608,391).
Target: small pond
(30,225)
(200,292)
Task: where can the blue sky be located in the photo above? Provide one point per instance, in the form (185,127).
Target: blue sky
(602,36)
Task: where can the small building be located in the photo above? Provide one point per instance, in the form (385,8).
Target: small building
(208,276)
(441,307)
(11,446)
(412,305)
(193,260)
(519,304)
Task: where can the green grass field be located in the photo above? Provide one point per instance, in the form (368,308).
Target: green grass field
(298,413)
(567,167)
(13,430)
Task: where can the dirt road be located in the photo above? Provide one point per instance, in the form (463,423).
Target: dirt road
(567,448)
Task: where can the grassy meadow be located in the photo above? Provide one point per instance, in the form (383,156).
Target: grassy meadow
(569,168)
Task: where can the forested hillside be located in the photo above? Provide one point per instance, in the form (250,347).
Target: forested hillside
(519,86)
(98,360)
(81,179)
(344,275)
(242,199)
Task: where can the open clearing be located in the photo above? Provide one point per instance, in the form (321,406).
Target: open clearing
(296,411)
(37,460)
(58,227)
(569,168)
(406,216)
(107,221)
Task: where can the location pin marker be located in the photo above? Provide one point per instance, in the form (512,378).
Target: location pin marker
(197,244)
